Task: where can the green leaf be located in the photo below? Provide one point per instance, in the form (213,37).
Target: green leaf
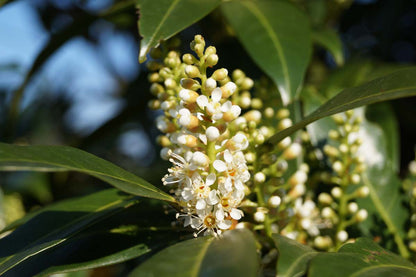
(359,259)
(64,158)
(293,257)
(143,226)
(396,85)
(160,20)
(277,36)
(232,255)
(55,226)
(385,201)
(330,40)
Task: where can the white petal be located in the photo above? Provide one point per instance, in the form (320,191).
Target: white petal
(201,204)
(203,138)
(227,156)
(216,95)
(184,112)
(226,106)
(239,185)
(236,214)
(220,166)
(224,224)
(217,116)
(202,101)
(213,198)
(219,214)
(210,179)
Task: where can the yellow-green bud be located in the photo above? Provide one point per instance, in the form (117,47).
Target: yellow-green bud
(284,123)
(333,134)
(268,112)
(355,179)
(363,191)
(283,113)
(324,198)
(322,242)
(189,83)
(163,141)
(220,74)
(339,119)
(211,60)
(349,113)
(247,84)
(192,71)
(238,74)
(361,215)
(189,59)
(156,88)
(343,148)
(256,103)
(154,104)
(170,83)
(336,192)
(331,151)
(154,77)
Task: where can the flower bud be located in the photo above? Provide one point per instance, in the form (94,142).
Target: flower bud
(275,201)
(212,133)
(192,71)
(253,115)
(256,103)
(293,151)
(220,74)
(154,104)
(336,192)
(164,141)
(259,177)
(156,88)
(355,179)
(189,96)
(412,168)
(154,77)
(245,100)
(333,134)
(339,119)
(247,84)
(228,89)
(338,167)
(268,112)
(238,74)
(299,177)
(331,151)
(352,207)
(210,84)
(284,143)
(283,113)
(189,59)
(361,215)
(327,212)
(188,140)
(211,60)
(170,83)
(343,148)
(284,123)
(189,83)
(342,236)
(322,242)
(259,216)
(363,191)
(324,198)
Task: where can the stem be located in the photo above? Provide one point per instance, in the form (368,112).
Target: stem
(260,200)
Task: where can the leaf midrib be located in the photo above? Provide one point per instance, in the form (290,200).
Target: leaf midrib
(276,42)
(92,172)
(164,18)
(295,263)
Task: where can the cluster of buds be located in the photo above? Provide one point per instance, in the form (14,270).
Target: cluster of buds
(338,205)
(409,185)
(209,168)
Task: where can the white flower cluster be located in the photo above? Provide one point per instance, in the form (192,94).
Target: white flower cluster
(209,168)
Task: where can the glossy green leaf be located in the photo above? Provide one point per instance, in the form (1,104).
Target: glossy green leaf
(277,36)
(63,158)
(330,40)
(129,233)
(396,85)
(232,255)
(55,226)
(293,257)
(359,259)
(160,20)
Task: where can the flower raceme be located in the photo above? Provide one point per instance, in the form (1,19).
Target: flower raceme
(209,169)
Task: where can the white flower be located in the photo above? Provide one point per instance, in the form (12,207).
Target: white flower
(212,133)
(230,111)
(212,106)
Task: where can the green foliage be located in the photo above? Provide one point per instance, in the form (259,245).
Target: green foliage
(160,20)
(206,256)
(277,36)
(63,158)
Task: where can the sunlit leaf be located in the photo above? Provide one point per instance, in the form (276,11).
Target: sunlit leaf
(63,158)
(277,36)
(160,20)
(330,40)
(293,257)
(362,258)
(396,85)
(232,255)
